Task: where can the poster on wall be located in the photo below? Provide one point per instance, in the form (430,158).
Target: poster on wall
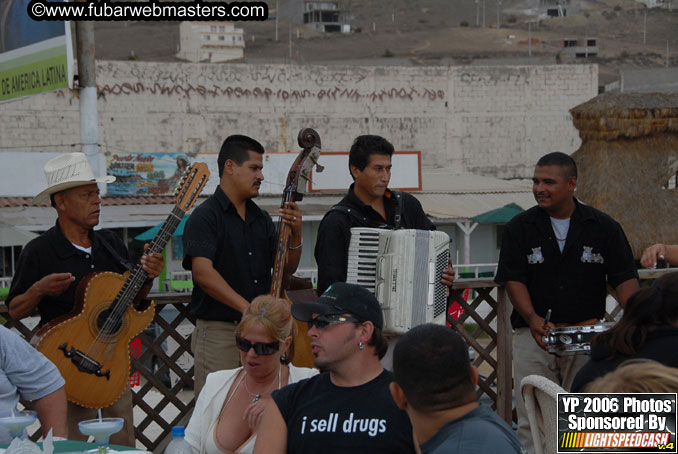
(146,174)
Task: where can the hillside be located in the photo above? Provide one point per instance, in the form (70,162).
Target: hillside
(432,32)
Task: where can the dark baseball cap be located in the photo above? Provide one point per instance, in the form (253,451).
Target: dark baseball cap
(342,298)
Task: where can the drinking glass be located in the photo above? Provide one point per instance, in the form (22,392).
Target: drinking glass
(18,421)
(101,430)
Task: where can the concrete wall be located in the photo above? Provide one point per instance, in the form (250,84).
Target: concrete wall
(495,121)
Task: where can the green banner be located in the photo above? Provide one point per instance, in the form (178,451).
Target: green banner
(31,74)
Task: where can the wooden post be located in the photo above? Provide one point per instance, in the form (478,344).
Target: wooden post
(504,357)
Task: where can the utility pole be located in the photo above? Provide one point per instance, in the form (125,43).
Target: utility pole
(89,121)
(667,53)
(645,28)
(289,46)
(483,13)
(477,12)
(277,13)
(498,18)
(529,39)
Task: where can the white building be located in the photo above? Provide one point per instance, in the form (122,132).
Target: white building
(658,3)
(212,42)
(319,15)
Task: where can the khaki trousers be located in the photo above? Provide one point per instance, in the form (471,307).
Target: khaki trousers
(529,359)
(123,408)
(213,345)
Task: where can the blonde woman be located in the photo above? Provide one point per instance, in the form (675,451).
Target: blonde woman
(230,406)
(637,376)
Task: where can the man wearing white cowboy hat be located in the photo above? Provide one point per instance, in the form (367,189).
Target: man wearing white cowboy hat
(51,266)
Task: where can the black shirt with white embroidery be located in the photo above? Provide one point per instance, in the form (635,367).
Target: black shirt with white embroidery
(573,284)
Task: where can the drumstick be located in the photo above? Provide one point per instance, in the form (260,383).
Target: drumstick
(546,319)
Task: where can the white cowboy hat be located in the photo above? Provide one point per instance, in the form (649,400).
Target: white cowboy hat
(68,171)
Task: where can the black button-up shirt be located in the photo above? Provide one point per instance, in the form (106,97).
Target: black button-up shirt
(50,253)
(334,232)
(241,251)
(573,284)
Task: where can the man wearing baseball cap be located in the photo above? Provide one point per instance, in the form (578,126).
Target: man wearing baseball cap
(52,265)
(348,408)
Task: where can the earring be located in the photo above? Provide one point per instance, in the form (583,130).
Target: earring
(283,357)
(361,346)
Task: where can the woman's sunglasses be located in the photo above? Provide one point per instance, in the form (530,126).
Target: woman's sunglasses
(260,348)
(325,321)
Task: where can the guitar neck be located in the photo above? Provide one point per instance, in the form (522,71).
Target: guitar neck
(136,279)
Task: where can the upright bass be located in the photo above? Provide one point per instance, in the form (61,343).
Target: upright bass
(297,182)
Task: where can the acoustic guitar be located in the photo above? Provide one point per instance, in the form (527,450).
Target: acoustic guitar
(297,182)
(90,345)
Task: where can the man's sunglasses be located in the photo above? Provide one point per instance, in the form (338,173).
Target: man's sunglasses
(260,348)
(325,321)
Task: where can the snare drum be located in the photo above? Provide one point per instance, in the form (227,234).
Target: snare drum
(573,339)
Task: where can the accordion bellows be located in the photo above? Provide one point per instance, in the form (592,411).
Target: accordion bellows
(403,269)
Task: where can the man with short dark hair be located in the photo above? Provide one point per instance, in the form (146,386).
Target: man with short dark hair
(348,408)
(435,383)
(229,245)
(558,257)
(369,203)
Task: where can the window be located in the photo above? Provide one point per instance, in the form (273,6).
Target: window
(222,28)
(207,37)
(672,182)
(221,37)
(8,258)
(213,28)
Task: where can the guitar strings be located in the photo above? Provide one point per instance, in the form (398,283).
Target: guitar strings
(121,302)
(132,286)
(133,282)
(138,276)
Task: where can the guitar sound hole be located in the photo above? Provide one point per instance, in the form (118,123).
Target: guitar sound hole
(107,324)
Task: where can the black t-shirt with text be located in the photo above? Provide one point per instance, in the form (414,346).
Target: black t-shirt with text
(323,417)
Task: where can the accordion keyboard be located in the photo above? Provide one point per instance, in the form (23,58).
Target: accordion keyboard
(363,250)
(403,269)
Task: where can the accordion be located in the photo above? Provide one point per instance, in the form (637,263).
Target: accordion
(402,268)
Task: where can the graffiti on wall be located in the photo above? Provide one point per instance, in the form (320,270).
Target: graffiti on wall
(208,74)
(335,93)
